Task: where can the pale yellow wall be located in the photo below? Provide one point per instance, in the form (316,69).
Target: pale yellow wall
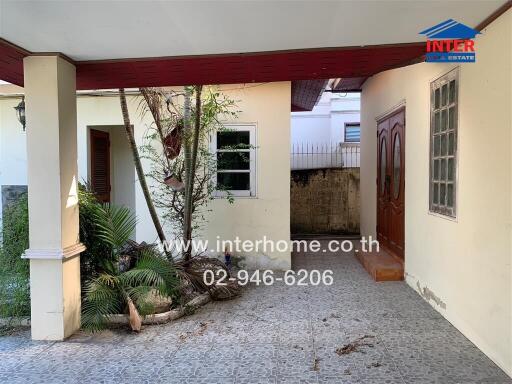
(267,214)
(104,113)
(465,263)
(267,106)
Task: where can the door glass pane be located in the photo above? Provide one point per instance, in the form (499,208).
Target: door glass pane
(451,143)
(396,167)
(452,118)
(451,169)
(383,165)
(444,95)
(234,181)
(435,198)
(437,98)
(437,122)
(444,120)
(442,192)
(436,169)
(443,144)
(437,145)
(443,169)
(449,195)
(452,92)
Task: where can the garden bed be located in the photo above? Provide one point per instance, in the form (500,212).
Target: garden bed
(157,318)
(164,317)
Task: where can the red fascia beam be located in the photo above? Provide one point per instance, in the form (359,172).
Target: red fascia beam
(246,68)
(224,69)
(11,62)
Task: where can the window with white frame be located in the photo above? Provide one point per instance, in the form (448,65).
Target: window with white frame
(443,143)
(235,152)
(352,132)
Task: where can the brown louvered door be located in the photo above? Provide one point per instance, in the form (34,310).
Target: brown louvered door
(100,164)
(390,182)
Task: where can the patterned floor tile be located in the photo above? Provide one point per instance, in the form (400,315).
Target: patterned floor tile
(272,334)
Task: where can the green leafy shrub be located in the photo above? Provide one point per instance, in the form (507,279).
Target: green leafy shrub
(14,271)
(111,293)
(105,230)
(114,289)
(98,254)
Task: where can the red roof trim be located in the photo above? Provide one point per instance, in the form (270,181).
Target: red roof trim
(223,69)
(246,68)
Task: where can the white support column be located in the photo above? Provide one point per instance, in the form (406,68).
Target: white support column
(54,253)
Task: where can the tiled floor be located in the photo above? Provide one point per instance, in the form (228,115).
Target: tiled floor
(277,334)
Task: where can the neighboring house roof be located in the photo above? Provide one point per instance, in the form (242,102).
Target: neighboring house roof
(349,84)
(450,29)
(306,93)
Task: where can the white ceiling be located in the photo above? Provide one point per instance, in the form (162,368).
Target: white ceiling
(88,30)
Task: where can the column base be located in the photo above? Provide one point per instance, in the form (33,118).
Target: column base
(55,296)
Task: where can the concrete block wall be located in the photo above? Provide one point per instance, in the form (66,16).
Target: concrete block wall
(325,201)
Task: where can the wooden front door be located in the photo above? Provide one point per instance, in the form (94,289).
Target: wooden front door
(100,164)
(390,182)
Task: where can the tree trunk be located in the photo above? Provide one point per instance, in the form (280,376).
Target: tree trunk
(189,177)
(138,168)
(148,95)
(197,127)
(189,209)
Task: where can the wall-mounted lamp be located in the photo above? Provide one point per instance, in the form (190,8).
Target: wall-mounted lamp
(20,112)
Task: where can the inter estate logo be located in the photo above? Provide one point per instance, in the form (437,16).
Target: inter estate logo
(450,42)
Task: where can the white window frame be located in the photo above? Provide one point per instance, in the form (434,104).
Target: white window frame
(443,209)
(241,127)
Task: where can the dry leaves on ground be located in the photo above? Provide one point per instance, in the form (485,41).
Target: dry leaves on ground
(355,346)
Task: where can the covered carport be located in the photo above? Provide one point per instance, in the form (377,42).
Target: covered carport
(53,49)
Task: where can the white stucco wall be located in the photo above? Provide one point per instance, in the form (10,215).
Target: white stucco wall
(317,136)
(465,263)
(13,149)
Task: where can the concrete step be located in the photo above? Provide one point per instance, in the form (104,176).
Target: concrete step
(381,266)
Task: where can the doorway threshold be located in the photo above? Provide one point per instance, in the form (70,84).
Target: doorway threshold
(325,236)
(381,265)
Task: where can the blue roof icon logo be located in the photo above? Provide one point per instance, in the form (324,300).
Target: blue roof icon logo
(450,29)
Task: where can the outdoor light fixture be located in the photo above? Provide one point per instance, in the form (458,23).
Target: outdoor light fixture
(20,112)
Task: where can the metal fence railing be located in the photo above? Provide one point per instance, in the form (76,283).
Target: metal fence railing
(325,155)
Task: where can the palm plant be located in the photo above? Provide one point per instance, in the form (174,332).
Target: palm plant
(116,290)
